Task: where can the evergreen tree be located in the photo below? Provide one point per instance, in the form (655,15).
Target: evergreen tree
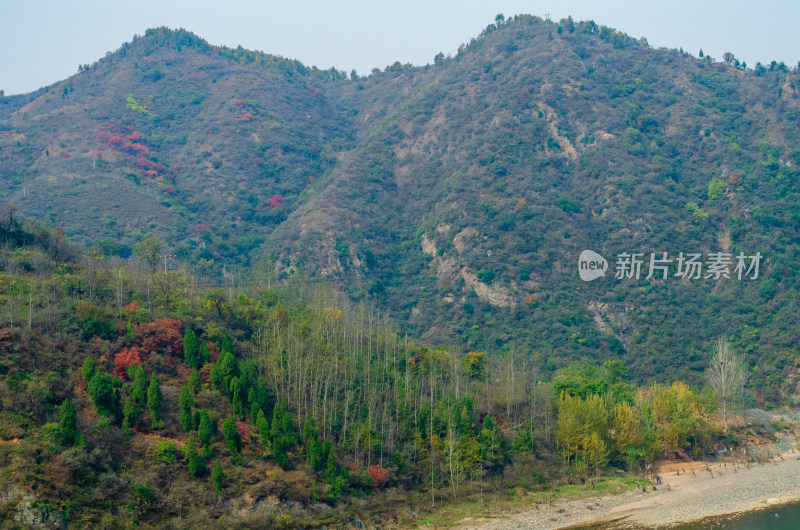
(325,453)
(331,470)
(214,377)
(193,461)
(186,403)
(235,390)
(203,355)
(190,348)
(493,447)
(88,369)
(279,453)
(227,344)
(204,432)
(104,394)
(313,446)
(217,476)
(282,434)
(139,387)
(231,432)
(335,481)
(68,421)
(130,414)
(227,369)
(154,401)
(255,412)
(194,382)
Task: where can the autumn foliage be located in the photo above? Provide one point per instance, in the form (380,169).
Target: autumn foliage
(124,359)
(128,146)
(161,336)
(379,476)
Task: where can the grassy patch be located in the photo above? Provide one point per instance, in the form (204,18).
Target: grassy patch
(499,505)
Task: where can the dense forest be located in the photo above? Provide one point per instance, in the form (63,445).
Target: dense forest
(133,394)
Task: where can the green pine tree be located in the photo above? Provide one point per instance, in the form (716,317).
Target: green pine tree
(139,387)
(255,410)
(103,389)
(231,432)
(279,453)
(335,481)
(186,403)
(313,446)
(193,461)
(227,344)
(88,369)
(203,355)
(282,434)
(217,476)
(235,389)
(194,382)
(190,348)
(68,421)
(331,471)
(130,414)
(325,452)
(227,368)
(204,433)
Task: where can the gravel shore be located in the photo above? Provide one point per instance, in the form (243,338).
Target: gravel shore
(690,493)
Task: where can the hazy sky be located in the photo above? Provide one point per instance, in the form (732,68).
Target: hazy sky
(44,41)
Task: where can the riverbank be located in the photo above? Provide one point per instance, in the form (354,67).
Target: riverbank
(688,493)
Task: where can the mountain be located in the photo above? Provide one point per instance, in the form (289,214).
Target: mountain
(456,196)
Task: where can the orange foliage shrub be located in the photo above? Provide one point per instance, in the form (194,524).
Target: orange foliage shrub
(379,476)
(162,336)
(124,359)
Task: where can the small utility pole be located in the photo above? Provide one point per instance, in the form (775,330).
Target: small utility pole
(169,257)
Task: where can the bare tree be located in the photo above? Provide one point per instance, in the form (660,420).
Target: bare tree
(726,375)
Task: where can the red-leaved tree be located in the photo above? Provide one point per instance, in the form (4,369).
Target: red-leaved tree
(379,476)
(160,336)
(124,359)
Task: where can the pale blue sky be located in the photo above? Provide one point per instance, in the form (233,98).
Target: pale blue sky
(44,41)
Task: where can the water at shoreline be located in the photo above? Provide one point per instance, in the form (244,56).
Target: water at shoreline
(769,519)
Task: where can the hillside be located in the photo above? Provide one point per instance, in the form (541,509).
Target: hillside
(134,398)
(457,196)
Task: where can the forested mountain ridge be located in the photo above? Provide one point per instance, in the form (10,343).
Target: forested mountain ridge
(457,195)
